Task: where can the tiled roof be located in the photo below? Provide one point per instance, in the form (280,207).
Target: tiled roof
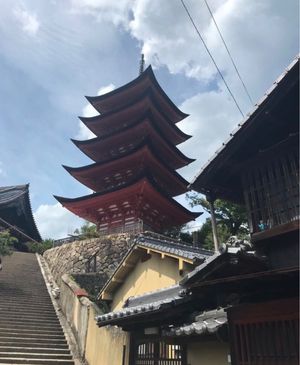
(9,194)
(148,303)
(167,245)
(206,323)
(16,213)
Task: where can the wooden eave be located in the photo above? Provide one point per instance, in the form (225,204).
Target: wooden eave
(221,174)
(142,194)
(143,106)
(16,213)
(126,93)
(129,262)
(100,176)
(115,145)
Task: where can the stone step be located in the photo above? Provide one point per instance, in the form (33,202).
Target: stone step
(30,361)
(8,332)
(31,327)
(30,331)
(28,318)
(40,350)
(36,355)
(27,310)
(15,300)
(26,305)
(34,344)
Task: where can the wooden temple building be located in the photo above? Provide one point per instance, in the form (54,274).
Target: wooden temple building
(16,214)
(135,158)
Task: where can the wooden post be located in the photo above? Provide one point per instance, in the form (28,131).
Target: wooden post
(211,200)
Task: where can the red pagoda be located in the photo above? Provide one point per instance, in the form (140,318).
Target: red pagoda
(133,175)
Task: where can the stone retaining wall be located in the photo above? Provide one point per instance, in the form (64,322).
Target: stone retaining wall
(72,257)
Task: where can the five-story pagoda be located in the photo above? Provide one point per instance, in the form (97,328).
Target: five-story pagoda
(133,175)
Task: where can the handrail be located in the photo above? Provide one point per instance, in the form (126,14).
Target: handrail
(91,264)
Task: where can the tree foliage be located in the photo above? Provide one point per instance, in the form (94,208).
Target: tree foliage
(179,233)
(231,220)
(39,247)
(88,230)
(7,242)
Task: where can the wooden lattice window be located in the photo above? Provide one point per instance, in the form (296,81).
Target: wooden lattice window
(271,190)
(265,339)
(159,353)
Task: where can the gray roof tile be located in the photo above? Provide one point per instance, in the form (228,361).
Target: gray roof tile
(206,323)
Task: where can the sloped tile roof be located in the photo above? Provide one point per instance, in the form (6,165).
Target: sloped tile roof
(206,323)
(167,245)
(148,303)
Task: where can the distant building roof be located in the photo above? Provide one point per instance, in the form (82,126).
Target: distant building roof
(16,213)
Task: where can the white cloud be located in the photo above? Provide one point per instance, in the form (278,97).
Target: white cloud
(117,12)
(28,21)
(90,111)
(212,117)
(2,171)
(84,133)
(54,221)
(169,39)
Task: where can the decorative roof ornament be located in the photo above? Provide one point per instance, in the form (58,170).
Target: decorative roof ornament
(142,64)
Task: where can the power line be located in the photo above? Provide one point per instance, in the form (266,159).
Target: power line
(212,58)
(229,54)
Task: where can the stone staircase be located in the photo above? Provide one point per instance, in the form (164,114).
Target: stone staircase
(30,331)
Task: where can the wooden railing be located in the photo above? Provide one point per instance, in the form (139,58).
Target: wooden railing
(91,264)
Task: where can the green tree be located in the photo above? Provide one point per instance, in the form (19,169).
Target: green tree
(88,230)
(231,220)
(39,247)
(6,242)
(179,233)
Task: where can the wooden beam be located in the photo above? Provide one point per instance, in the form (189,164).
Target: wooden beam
(180,265)
(106,296)
(115,280)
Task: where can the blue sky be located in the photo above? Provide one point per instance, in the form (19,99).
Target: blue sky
(54,52)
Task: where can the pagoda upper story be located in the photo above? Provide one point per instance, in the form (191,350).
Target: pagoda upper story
(135,158)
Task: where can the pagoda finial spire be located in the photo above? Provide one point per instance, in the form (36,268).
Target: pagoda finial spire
(142,64)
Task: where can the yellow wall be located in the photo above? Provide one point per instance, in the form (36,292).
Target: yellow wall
(104,346)
(153,274)
(207,353)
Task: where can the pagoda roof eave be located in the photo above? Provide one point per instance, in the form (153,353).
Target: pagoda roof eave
(148,178)
(148,115)
(89,121)
(148,73)
(146,144)
(82,144)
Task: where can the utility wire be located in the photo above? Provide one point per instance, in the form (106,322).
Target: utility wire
(212,58)
(229,54)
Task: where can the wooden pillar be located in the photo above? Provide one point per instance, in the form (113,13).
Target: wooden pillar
(211,200)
